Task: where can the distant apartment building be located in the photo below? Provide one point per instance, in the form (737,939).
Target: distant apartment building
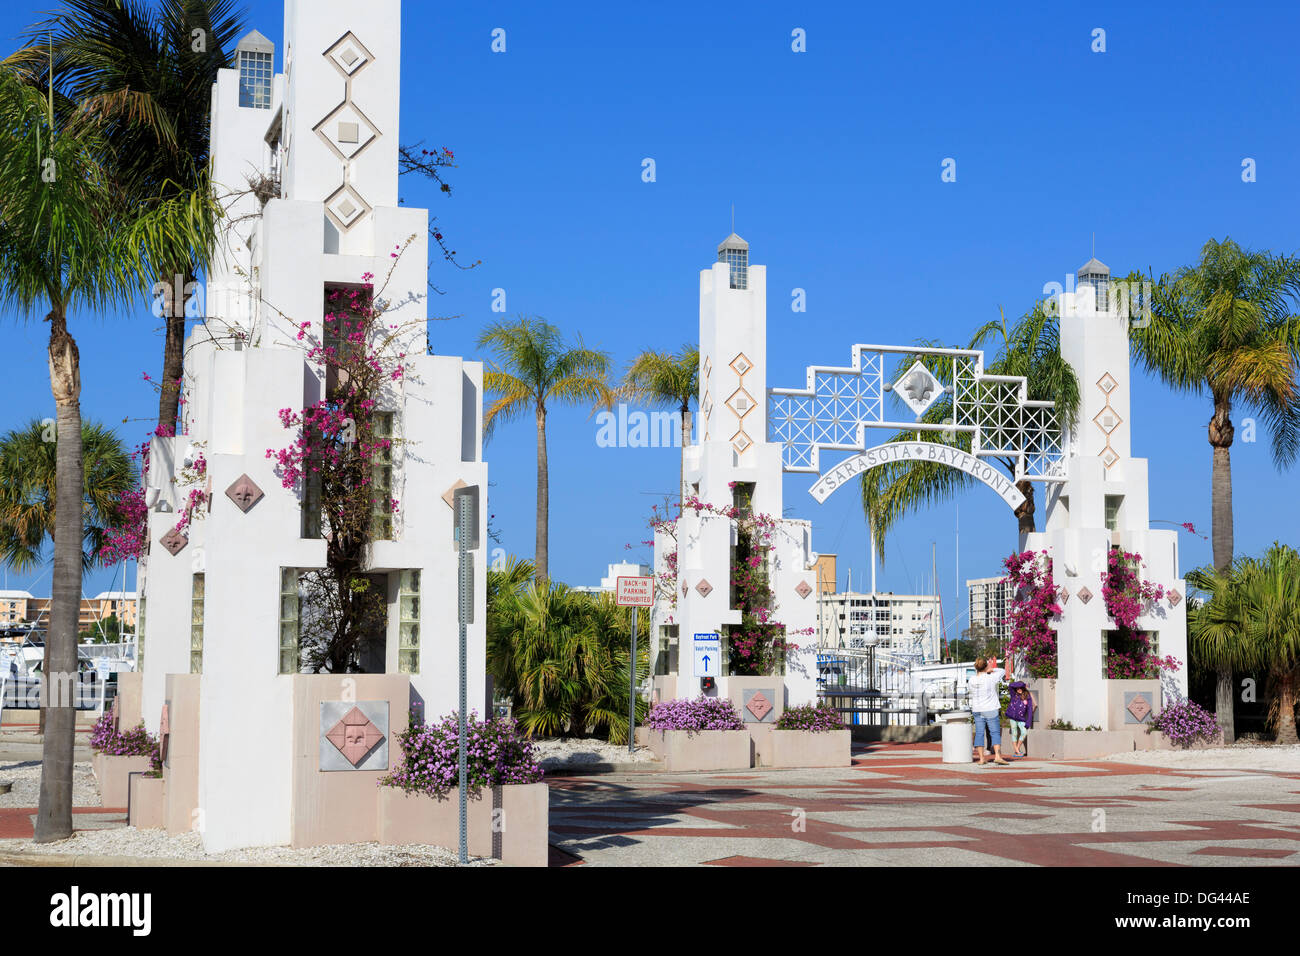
(906,623)
(19,608)
(990,605)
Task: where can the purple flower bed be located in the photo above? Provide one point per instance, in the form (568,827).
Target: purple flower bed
(133,743)
(496,754)
(1186,723)
(702,713)
(817,719)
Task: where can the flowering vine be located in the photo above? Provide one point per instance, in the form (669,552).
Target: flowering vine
(1032,608)
(759,642)
(1128,654)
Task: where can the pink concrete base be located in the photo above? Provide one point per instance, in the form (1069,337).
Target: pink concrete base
(803,748)
(509,823)
(702,750)
(148,802)
(112,775)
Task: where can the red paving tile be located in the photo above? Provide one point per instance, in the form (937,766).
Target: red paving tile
(756,861)
(703,809)
(1244,851)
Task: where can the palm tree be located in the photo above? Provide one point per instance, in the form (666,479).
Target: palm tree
(1224,327)
(28,491)
(1030,349)
(534,368)
(70,239)
(664,379)
(144,75)
(563,656)
(1252,621)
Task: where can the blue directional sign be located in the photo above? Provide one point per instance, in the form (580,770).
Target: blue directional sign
(708,655)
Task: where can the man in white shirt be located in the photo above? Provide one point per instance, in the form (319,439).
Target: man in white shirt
(986,706)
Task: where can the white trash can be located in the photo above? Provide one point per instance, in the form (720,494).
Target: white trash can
(958,736)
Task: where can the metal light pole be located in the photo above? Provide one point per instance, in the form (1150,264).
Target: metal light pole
(631,692)
(466,540)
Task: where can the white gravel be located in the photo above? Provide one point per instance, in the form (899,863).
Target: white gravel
(1239,757)
(553,753)
(26,779)
(156,844)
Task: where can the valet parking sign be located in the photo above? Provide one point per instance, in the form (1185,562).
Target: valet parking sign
(708,654)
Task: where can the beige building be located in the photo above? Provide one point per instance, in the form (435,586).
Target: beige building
(21,607)
(906,623)
(990,605)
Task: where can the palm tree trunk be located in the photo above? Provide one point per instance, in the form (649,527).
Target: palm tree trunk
(54,814)
(1286,732)
(543,499)
(1220,436)
(1025,513)
(686,443)
(173,353)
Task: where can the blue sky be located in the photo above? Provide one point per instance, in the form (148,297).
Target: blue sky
(832,159)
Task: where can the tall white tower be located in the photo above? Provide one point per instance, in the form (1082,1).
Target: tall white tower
(733,465)
(1103,503)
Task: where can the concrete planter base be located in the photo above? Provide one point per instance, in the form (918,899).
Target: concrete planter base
(112,774)
(803,748)
(701,750)
(148,802)
(509,823)
(1076,744)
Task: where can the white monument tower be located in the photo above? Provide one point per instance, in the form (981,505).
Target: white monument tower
(1103,503)
(734,465)
(253,757)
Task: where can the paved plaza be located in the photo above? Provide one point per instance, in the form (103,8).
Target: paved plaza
(900,806)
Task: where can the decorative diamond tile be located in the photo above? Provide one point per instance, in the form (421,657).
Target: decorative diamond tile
(704,588)
(1107,420)
(354,736)
(1085,595)
(244,493)
(1107,383)
(174,541)
(346,130)
(918,388)
(346,207)
(1139,707)
(706,406)
(1108,457)
(740,441)
(741,402)
(449,495)
(740,365)
(803,589)
(348,55)
(1063,594)
(759,705)
(1174,597)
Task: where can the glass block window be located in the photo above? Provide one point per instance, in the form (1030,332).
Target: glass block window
(408,613)
(738,260)
(1100,284)
(196,624)
(139,636)
(1113,504)
(381,480)
(290,612)
(255,70)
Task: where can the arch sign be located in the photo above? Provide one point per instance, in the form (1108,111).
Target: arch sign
(918,451)
(839,404)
